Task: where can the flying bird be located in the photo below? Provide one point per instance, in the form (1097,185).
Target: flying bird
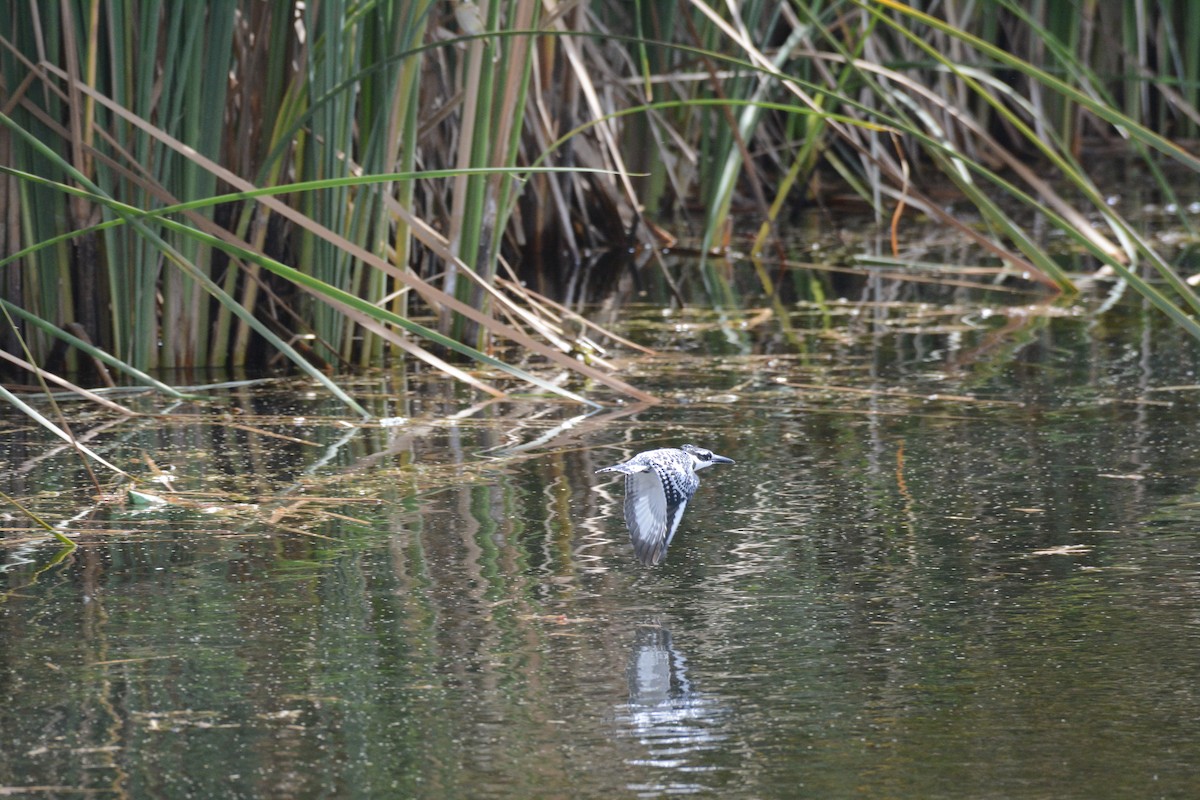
(658,486)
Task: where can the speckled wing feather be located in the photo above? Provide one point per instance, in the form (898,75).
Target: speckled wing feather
(646,515)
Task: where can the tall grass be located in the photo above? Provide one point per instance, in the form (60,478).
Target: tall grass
(242,178)
(896,102)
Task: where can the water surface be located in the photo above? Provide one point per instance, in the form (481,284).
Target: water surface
(957,557)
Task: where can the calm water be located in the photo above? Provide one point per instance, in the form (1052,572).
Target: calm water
(957,557)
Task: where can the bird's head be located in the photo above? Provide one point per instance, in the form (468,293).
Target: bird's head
(702,458)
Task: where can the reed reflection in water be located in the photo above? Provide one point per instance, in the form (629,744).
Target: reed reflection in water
(931,578)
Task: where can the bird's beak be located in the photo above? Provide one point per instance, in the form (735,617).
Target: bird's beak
(716,459)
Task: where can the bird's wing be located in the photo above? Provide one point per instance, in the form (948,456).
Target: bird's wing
(653,511)
(646,515)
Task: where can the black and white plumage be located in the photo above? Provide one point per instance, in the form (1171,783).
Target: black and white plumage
(658,486)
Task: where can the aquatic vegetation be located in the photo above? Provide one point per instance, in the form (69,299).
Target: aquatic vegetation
(232,183)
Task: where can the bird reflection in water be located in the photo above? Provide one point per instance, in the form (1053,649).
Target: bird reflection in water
(674,720)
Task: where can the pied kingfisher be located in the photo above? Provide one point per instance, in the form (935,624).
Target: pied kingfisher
(658,486)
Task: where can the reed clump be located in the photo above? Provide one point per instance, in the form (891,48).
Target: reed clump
(219,183)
